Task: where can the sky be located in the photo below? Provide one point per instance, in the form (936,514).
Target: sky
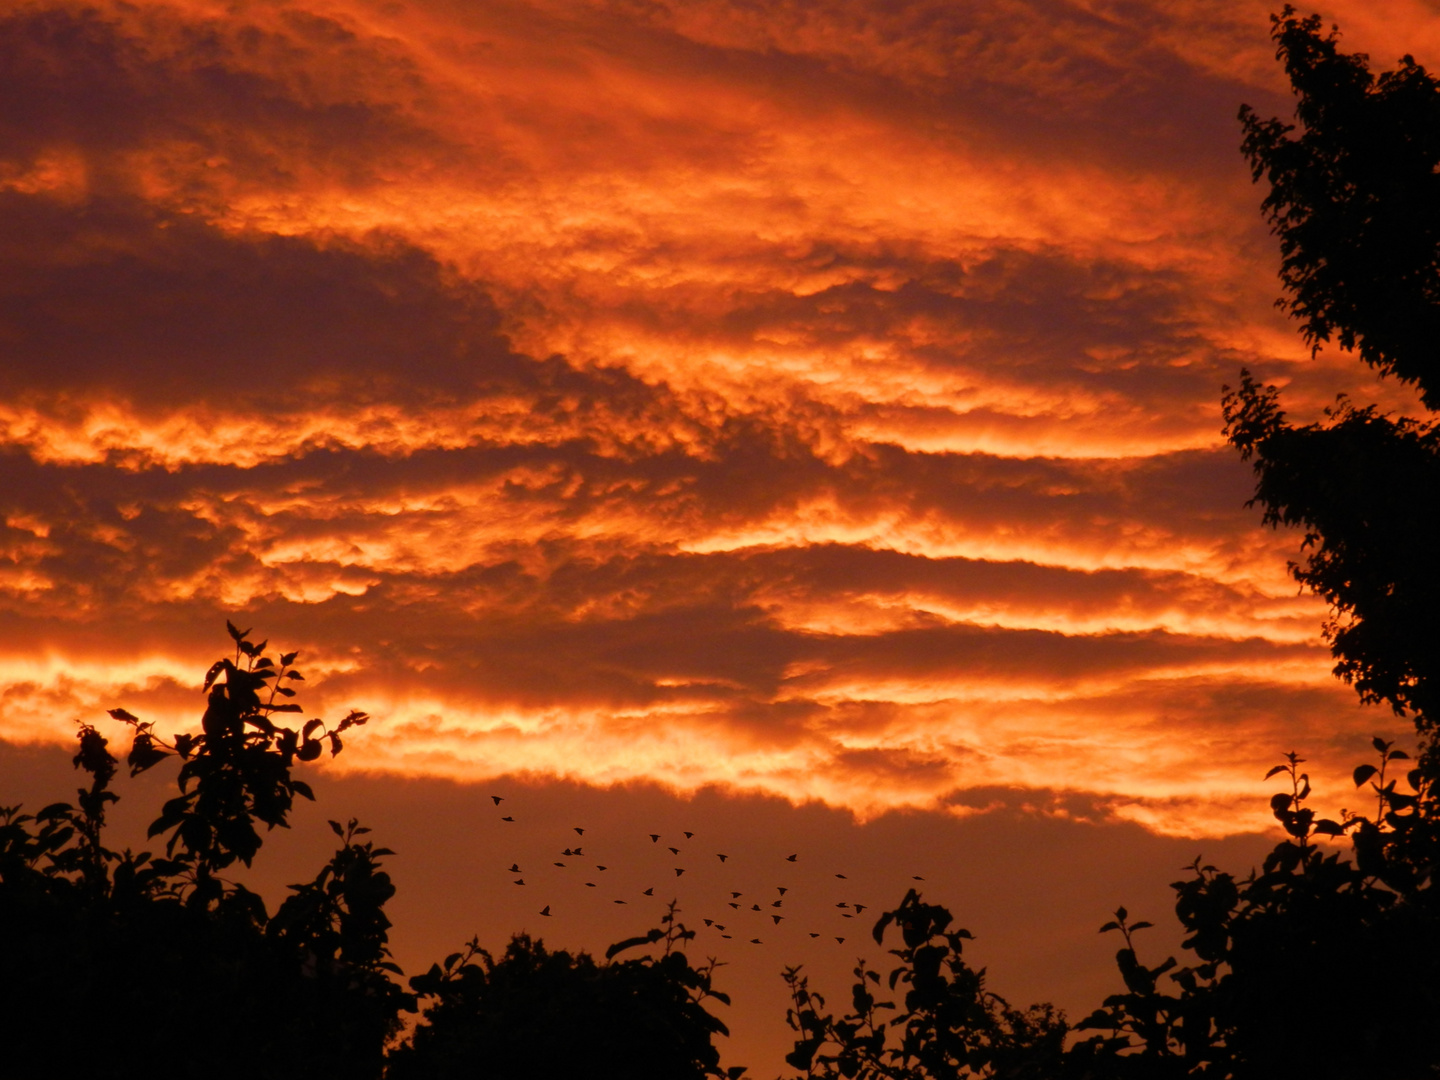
(792,423)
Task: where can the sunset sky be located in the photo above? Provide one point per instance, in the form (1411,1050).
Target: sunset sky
(791,421)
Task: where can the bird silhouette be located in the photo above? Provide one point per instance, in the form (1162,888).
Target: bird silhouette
(559,864)
(515,868)
(650,891)
(519,881)
(509,819)
(776,903)
(619,901)
(754,907)
(579,831)
(719,927)
(722,858)
(918,878)
(781,889)
(688,835)
(842,904)
(599,867)
(590,884)
(840,875)
(846,915)
(756,941)
(792,858)
(841,940)
(678,871)
(579,852)
(498,799)
(674,850)
(709,922)
(813,934)
(727,937)
(859,908)
(567,852)
(654,837)
(734,905)
(546,910)
(777,918)
(736,895)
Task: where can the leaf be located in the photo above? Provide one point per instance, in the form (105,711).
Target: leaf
(288,658)
(1363,773)
(1380,744)
(294,675)
(289,706)
(121,714)
(1142,925)
(336,829)
(309,728)
(1274,771)
(1280,802)
(302,789)
(1326,827)
(238,635)
(1399,755)
(1109,926)
(1121,914)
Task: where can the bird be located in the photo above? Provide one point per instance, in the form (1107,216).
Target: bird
(719,927)
(776,903)
(678,871)
(756,941)
(840,875)
(709,922)
(559,864)
(842,904)
(781,889)
(519,881)
(567,852)
(515,868)
(813,934)
(727,937)
(859,908)
(792,858)
(754,907)
(546,910)
(579,831)
(590,884)
(841,940)
(917,877)
(777,919)
(654,837)
(674,850)
(722,858)
(688,835)
(734,905)
(497,799)
(650,891)
(736,895)
(509,819)
(599,867)
(579,852)
(846,915)
(619,901)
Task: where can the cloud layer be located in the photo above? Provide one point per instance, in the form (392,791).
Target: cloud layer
(814,400)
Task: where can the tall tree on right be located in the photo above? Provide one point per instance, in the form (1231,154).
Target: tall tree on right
(1355,202)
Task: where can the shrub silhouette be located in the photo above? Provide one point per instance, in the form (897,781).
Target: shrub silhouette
(540,1015)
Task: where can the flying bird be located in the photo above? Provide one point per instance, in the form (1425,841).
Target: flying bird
(559,864)
(579,831)
(546,910)
(650,891)
(567,852)
(678,871)
(673,850)
(519,881)
(777,919)
(590,884)
(722,858)
(719,927)
(754,907)
(709,922)
(498,799)
(776,903)
(599,867)
(688,835)
(813,934)
(654,837)
(734,905)
(846,915)
(792,858)
(509,819)
(859,908)
(842,904)
(736,895)
(619,901)
(781,889)
(841,940)
(515,868)
(918,878)
(578,852)
(727,937)
(840,875)
(756,941)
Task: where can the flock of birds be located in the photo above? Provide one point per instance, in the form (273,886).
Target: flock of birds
(744,907)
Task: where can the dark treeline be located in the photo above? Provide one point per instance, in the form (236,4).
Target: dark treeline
(1322,962)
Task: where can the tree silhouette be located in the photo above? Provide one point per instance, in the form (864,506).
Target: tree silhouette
(1355,201)
(534,1014)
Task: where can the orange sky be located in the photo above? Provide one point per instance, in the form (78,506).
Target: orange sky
(804,407)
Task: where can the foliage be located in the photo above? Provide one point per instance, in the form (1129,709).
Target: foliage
(128,964)
(1315,966)
(1355,201)
(534,1014)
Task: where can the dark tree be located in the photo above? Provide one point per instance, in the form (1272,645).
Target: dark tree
(1355,201)
(534,1014)
(125,964)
